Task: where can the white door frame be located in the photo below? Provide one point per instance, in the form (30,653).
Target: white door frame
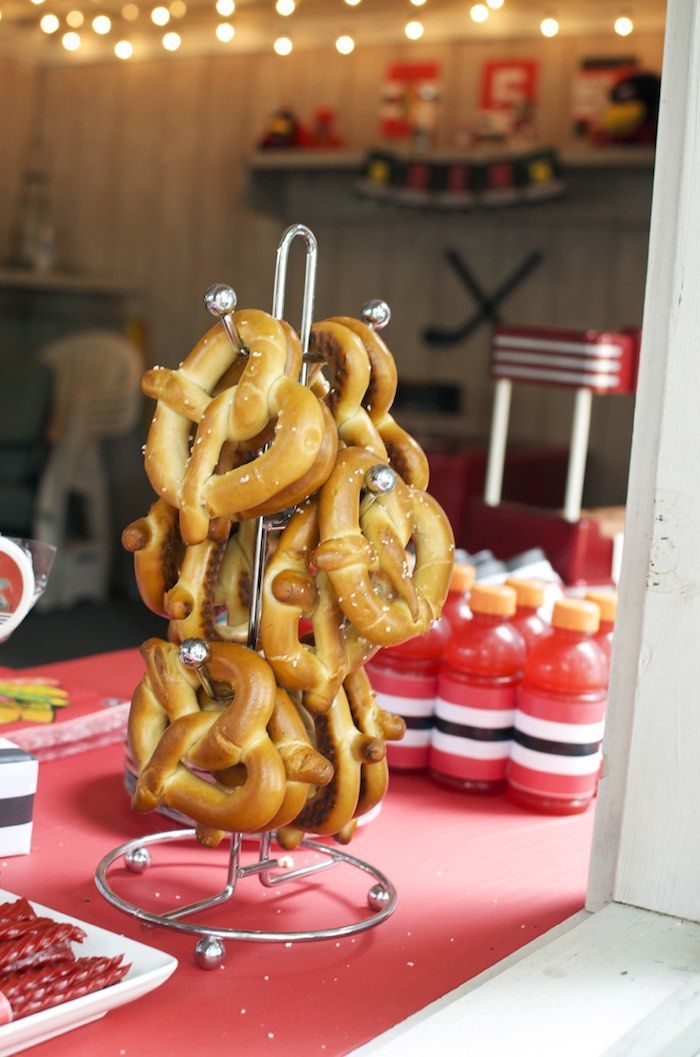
(622,978)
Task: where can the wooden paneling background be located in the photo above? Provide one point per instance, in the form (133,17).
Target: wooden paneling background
(151,185)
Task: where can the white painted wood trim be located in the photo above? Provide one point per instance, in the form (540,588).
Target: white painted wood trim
(578,995)
(578,453)
(647,835)
(497,445)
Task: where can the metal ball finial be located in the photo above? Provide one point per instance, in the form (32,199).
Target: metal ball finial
(193,653)
(380,480)
(378,897)
(376,314)
(210,952)
(137,860)
(220,300)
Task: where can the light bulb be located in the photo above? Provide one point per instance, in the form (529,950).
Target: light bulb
(101,24)
(160,16)
(171,41)
(178,8)
(75,19)
(283,46)
(70,41)
(623,26)
(495,5)
(225,8)
(286,7)
(353,3)
(37,2)
(123,49)
(414,30)
(225,32)
(418,3)
(345,44)
(549,27)
(49,23)
(479,13)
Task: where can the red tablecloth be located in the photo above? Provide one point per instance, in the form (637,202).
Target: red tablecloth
(477,878)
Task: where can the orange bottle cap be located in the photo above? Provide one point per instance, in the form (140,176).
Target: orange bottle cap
(528,592)
(606,602)
(463,576)
(496,599)
(575,614)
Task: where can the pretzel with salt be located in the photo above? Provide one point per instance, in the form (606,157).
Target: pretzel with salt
(291,593)
(405,454)
(375,722)
(169,732)
(155,542)
(364,554)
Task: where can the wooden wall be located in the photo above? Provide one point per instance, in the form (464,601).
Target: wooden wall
(152,186)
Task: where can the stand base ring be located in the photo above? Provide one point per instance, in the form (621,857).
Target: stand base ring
(383,906)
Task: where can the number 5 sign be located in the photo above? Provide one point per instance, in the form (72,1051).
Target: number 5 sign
(508,83)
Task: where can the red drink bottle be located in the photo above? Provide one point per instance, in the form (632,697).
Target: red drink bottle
(607,604)
(475,708)
(555,757)
(405,677)
(529,597)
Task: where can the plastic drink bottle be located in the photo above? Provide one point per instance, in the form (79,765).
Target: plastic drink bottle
(529,597)
(456,608)
(475,708)
(405,677)
(607,604)
(556,753)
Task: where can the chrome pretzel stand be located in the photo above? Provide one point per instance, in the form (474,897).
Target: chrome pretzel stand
(135,855)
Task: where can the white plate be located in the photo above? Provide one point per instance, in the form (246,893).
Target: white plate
(149,969)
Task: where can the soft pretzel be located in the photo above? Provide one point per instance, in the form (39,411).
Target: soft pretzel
(375,722)
(331,808)
(405,454)
(169,731)
(155,543)
(291,593)
(365,557)
(297,441)
(349,365)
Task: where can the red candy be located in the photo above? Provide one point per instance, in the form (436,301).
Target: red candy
(32,990)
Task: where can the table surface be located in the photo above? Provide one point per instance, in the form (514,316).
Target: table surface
(477,878)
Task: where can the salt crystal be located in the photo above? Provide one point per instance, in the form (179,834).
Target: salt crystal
(243,1011)
(410,964)
(270,1034)
(266,977)
(288,945)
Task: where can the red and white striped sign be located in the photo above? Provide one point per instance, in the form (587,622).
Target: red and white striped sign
(602,361)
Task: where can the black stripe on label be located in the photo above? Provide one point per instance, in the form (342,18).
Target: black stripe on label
(556,748)
(418,722)
(13,754)
(476,733)
(16,810)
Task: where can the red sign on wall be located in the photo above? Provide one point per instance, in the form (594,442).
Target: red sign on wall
(507,83)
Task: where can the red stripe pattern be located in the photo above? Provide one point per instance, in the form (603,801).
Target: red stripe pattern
(413,698)
(473,730)
(602,361)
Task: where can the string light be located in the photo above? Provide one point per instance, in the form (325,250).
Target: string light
(160,16)
(49,23)
(101,24)
(130,12)
(345,44)
(623,26)
(225,7)
(479,13)
(414,29)
(286,7)
(37,2)
(123,49)
(70,41)
(75,19)
(418,3)
(178,8)
(353,3)
(549,27)
(283,46)
(495,5)
(171,41)
(225,32)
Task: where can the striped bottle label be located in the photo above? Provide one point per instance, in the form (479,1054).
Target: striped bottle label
(413,698)
(473,730)
(556,749)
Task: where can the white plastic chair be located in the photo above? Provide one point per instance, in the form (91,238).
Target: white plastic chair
(96,396)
